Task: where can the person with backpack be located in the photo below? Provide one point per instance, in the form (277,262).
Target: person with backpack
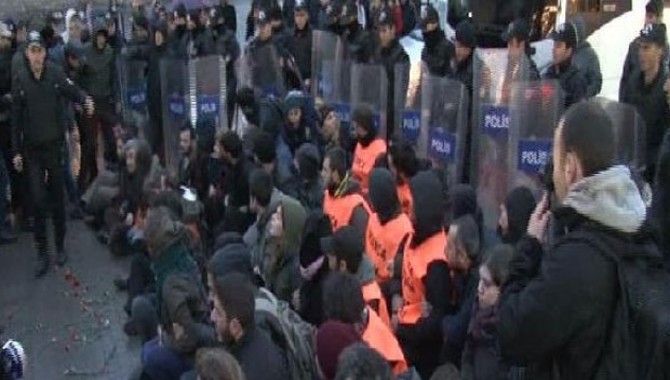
(590,306)
(233,315)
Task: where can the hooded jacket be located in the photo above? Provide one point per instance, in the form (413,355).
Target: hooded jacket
(556,305)
(437,53)
(519,204)
(310,193)
(586,60)
(571,79)
(281,263)
(256,236)
(99,72)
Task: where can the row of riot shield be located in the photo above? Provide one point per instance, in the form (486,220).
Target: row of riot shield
(261,69)
(513,124)
(194,94)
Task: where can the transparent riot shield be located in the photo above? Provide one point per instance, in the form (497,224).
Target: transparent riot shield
(630,134)
(133,85)
(444,121)
(493,77)
(535,110)
(407,104)
(207,91)
(174,90)
(327,59)
(261,70)
(369,86)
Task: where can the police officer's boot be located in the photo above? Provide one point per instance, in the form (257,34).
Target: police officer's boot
(42,266)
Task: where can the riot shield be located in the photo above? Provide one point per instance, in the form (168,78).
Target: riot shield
(493,77)
(369,86)
(133,85)
(261,70)
(207,91)
(535,110)
(630,134)
(407,104)
(174,91)
(444,119)
(327,60)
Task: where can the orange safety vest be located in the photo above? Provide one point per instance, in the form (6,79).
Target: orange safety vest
(414,269)
(340,209)
(405,198)
(383,242)
(364,162)
(373,293)
(380,338)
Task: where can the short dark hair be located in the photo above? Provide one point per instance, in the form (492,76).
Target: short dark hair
(265,148)
(231,143)
(468,236)
(349,246)
(404,157)
(359,361)
(186,127)
(261,186)
(654,7)
(217,364)
(588,132)
(497,261)
(236,294)
(343,298)
(338,161)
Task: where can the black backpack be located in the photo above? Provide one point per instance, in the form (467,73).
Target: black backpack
(639,338)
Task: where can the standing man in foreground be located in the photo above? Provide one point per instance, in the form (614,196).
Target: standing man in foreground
(38,133)
(557,308)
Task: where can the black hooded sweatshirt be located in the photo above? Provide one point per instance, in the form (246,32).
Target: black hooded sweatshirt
(422,342)
(437,53)
(520,204)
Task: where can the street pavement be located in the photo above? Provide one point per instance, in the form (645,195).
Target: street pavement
(70,322)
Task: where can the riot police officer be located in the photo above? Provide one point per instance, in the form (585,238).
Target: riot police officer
(437,52)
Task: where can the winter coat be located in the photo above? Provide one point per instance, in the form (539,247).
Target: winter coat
(437,53)
(99,73)
(259,357)
(300,47)
(520,204)
(556,305)
(631,66)
(455,323)
(281,262)
(257,235)
(481,357)
(587,61)
(651,104)
(572,82)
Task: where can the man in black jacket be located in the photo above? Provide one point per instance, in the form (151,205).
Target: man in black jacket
(300,43)
(571,79)
(556,306)
(38,130)
(391,55)
(360,43)
(644,90)
(437,52)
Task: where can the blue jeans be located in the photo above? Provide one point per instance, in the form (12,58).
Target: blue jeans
(161,363)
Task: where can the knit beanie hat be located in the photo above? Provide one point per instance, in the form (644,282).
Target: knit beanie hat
(332,338)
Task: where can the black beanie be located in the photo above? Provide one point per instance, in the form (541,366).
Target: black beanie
(264,148)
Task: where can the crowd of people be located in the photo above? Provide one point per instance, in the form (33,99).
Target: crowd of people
(298,248)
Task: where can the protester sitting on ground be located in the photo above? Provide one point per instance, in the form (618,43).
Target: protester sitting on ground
(360,362)
(332,338)
(514,215)
(481,358)
(217,364)
(233,315)
(343,302)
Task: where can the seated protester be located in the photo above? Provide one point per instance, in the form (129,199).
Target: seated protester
(514,215)
(313,268)
(389,227)
(359,362)
(404,165)
(572,81)
(180,301)
(235,185)
(140,178)
(345,252)
(462,252)
(12,361)
(342,201)
(217,364)
(233,316)
(343,302)
(280,264)
(297,130)
(186,170)
(332,338)
(481,358)
(462,201)
(334,133)
(308,163)
(369,147)
(265,155)
(425,278)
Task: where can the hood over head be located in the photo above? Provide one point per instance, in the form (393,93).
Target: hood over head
(461,201)
(611,198)
(142,155)
(520,204)
(294,217)
(429,205)
(580,27)
(162,231)
(383,195)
